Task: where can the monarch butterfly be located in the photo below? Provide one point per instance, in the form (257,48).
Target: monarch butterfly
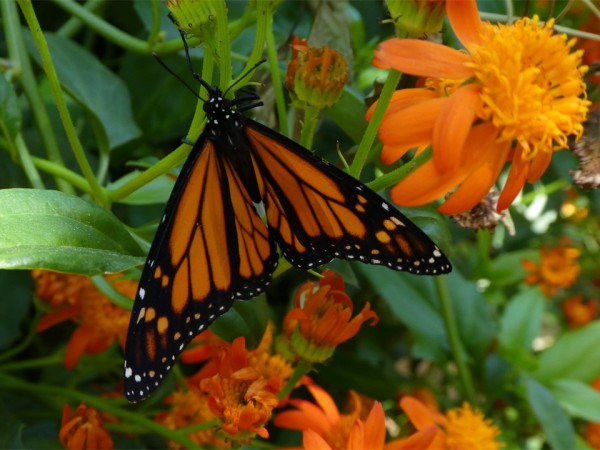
(212,246)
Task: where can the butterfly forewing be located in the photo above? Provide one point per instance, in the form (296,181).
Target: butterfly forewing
(210,248)
(318,212)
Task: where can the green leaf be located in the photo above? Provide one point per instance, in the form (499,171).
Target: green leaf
(16,286)
(555,422)
(349,114)
(10,111)
(521,322)
(52,230)
(246,318)
(575,355)
(11,430)
(91,84)
(579,399)
(413,301)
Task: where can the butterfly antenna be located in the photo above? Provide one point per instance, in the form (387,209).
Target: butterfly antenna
(244,75)
(197,76)
(168,69)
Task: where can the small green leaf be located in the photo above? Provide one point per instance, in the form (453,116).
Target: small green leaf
(91,84)
(575,355)
(246,318)
(10,111)
(555,422)
(52,230)
(521,321)
(580,399)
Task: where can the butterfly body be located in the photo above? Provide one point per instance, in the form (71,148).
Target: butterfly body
(212,246)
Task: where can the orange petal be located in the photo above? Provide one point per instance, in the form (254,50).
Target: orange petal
(356,439)
(418,414)
(464,19)
(374,430)
(56,317)
(422,58)
(78,342)
(517,175)
(297,420)
(410,127)
(539,164)
(404,98)
(425,185)
(479,182)
(453,125)
(325,402)
(312,441)
(421,440)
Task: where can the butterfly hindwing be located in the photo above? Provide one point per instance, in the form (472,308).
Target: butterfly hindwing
(210,247)
(318,212)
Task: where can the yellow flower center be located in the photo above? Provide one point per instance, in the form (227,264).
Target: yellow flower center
(531,84)
(468,429)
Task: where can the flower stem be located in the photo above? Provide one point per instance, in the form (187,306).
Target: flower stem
(364,148)
(301,369)
(454,339)
(65,116)
(276,75)
(393,177)
(311,117)
(110,406)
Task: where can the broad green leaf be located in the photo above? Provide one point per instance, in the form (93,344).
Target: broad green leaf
(10,111)
(413,301)
(349,114)
(91,84)
(56,231)
(580,399)
(16,286)
(521,321)
(556,424)
(246,318)
(575,355)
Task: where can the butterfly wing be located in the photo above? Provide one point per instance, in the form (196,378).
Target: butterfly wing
(318,212)
(210,247)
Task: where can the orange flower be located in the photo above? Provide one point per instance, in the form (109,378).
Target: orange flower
(239,395)
(579,311)
(558,268)
(463,428)
(592,429)
(101,322)
(188,408)
(84,430)
(322,318)
(515,95)
(315,76)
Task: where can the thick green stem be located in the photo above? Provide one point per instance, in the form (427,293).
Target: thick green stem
(364,148)
(311,118)
(458,352)
(393,177)
(301,369)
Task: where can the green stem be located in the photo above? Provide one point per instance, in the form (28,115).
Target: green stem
(362,153)
(223,46)
(546,189)
(261,32)
(73,25)
(394,176)
(301,369)
(275,74)
(102,27)
(453,337)
(61,172)
(18,54)
(65,115)
(27,162)
(110,406)
(311,118)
